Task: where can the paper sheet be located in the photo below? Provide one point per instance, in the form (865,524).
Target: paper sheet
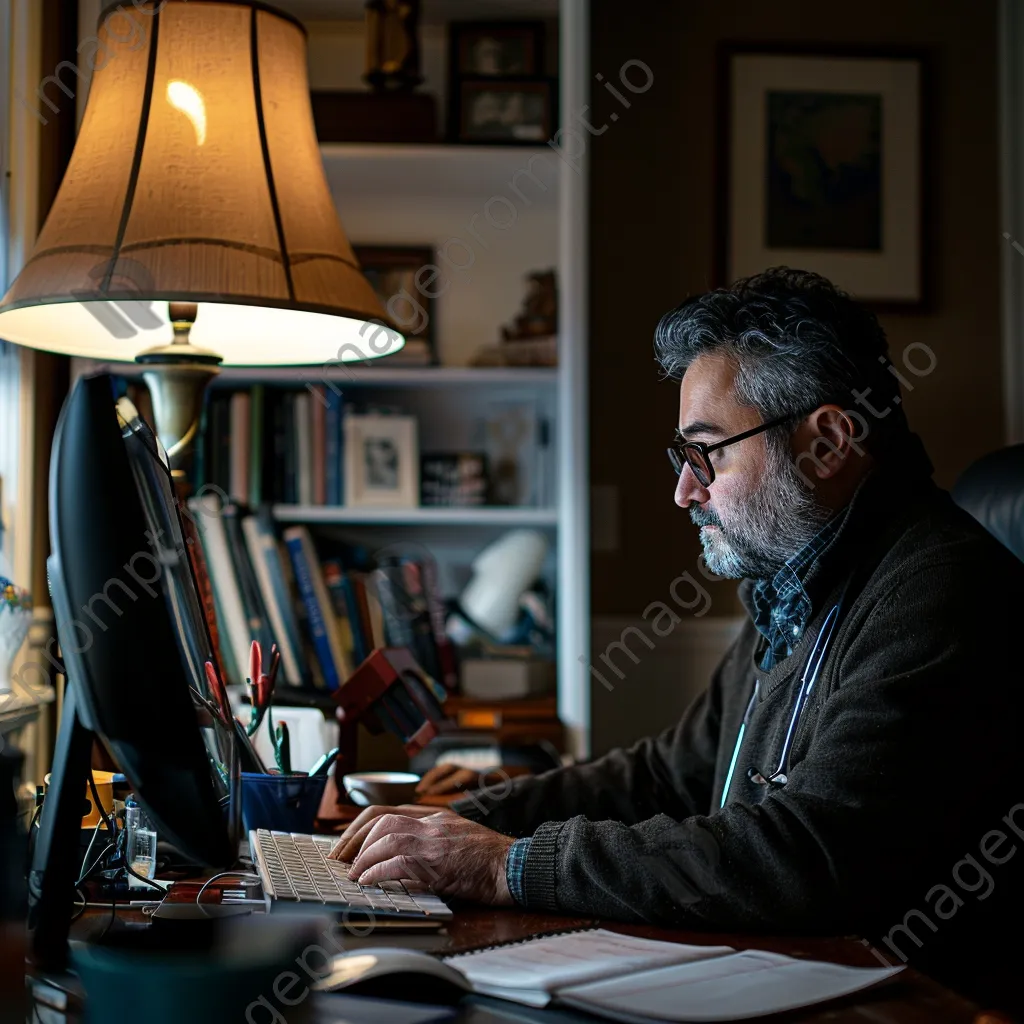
(545,964)
(737,987)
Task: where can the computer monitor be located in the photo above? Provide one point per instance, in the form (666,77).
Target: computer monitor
(134,640)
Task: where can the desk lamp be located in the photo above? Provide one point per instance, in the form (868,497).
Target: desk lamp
(194,227)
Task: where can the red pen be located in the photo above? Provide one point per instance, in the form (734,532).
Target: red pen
(218,691)
(256,671)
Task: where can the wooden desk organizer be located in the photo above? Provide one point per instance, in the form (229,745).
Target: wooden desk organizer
(390,690)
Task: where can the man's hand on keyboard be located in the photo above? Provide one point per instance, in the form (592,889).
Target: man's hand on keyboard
(454,856)
(351,841)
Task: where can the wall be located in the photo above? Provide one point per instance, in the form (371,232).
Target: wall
(653,182)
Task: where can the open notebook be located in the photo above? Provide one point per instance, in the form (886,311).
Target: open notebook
(631,979)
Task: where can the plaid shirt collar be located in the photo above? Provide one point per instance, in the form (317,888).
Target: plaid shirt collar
(781,606)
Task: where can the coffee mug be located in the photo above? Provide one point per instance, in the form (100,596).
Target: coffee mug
(386,788)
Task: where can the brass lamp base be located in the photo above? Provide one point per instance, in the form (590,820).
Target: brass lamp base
(177,376)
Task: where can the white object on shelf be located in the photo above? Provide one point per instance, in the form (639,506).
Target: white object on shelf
(502,573)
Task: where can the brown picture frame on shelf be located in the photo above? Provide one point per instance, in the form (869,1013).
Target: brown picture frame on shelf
(503,111)
(496,48)
(396,274)
(821,156)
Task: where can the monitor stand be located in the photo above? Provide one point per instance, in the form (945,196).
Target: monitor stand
(52,877)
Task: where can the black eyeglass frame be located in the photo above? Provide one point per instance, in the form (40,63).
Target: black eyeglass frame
(679,450)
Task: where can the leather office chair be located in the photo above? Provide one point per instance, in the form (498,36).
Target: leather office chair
(992,490)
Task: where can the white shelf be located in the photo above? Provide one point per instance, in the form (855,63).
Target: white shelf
(364,170)
(398,376)
(363,376)
(341,514)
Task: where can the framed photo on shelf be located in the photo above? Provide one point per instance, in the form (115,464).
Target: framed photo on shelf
(822,168)
(392,271)
(381,461)
(507,111)
(496,48)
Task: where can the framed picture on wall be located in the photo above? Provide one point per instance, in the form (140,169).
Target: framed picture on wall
(822,169)
(405,289)
(509,111)
(496,48)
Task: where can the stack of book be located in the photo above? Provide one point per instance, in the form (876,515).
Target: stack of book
(326,617)
(269,444)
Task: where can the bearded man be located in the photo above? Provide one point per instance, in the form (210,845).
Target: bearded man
(853,765)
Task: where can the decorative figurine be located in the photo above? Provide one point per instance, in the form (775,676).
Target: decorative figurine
(539,317)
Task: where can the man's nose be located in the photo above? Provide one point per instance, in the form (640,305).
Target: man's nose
(689,489)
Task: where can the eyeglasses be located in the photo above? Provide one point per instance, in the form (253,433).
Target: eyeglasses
(697,454)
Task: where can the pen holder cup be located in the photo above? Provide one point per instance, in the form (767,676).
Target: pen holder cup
(281,803)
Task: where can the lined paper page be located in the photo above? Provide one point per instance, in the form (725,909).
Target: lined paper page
(544,964)
(737,987)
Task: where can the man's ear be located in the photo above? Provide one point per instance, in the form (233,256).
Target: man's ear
(826,438)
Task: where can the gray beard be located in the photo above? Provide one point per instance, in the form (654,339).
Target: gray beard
(760,534)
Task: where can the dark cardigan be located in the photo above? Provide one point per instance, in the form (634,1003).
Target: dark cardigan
(905,762)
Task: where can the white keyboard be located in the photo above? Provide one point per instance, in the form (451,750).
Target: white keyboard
(296,868)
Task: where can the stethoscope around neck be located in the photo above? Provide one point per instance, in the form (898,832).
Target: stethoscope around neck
(812,668)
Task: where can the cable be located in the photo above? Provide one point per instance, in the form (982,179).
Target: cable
(223,874)
(95,864)
(88,850)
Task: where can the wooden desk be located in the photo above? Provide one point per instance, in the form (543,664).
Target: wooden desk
(912,999)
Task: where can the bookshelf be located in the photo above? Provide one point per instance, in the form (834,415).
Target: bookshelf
(432,195)
(485,516)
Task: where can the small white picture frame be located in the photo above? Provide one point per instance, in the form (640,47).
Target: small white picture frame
(381,461)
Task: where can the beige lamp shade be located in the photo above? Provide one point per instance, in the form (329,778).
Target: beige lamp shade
(197,178)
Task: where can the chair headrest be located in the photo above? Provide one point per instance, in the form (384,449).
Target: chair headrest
(992,490)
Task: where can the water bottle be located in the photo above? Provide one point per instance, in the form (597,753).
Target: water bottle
(141,844)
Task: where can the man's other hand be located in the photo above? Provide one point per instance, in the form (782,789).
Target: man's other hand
(454,856)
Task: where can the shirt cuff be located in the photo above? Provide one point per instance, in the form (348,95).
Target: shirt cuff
(515,867)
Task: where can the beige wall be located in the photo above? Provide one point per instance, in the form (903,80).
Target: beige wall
(653,239)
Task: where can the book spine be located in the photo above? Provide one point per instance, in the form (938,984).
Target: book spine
(293,538)
(447,662)
(290,493)
(240,447)
(335,665)
(396,625)
(272,599)
(360,646)
(333,580)
(304,448)
(332,447)
(226,590)
(256,457)
(252,599)
(318,428)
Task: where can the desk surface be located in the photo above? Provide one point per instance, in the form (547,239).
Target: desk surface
(912,999)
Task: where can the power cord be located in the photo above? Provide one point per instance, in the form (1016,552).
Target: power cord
(247,875)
